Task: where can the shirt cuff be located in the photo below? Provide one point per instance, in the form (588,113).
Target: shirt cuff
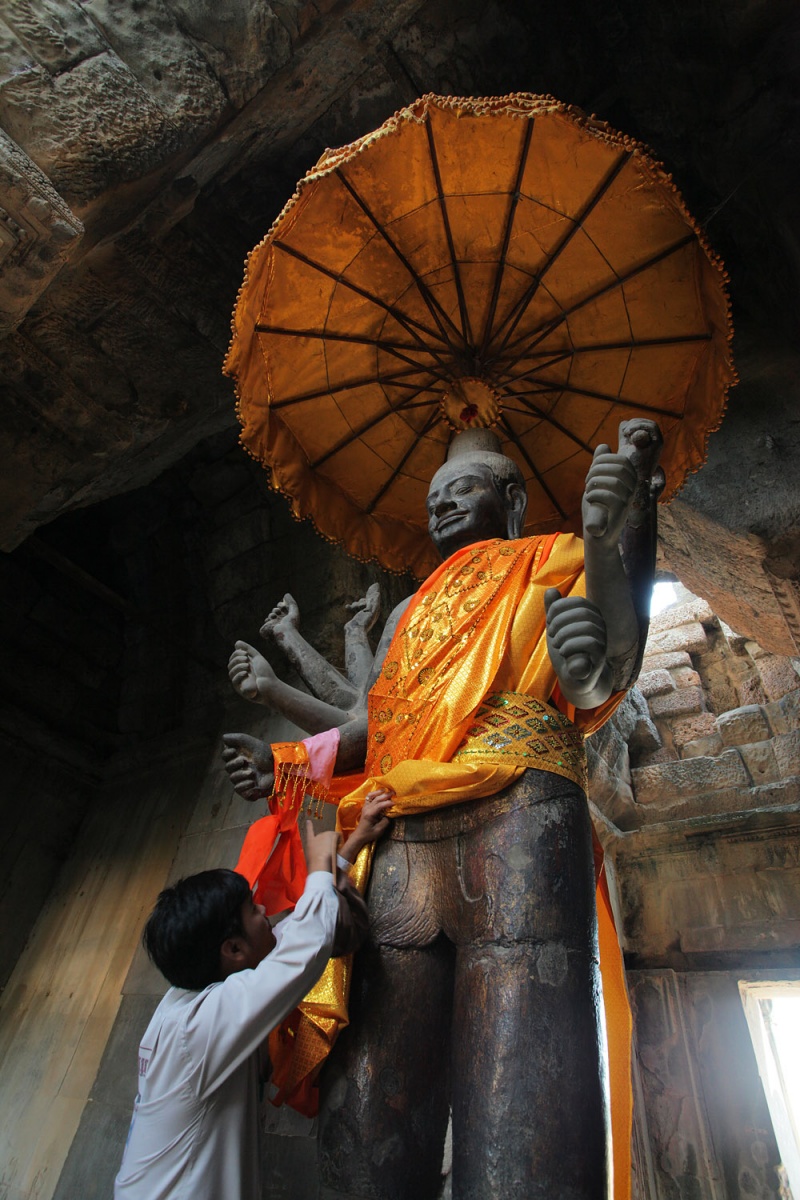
(343,863)
(318,881)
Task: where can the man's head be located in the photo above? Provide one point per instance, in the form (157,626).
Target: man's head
(206,927)
(477,495)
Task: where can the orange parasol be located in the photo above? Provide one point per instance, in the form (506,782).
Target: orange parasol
(501,262)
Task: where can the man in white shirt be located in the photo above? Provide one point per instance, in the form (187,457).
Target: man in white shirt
(195,1128)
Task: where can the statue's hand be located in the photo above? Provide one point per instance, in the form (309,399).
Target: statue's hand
(284,616)
(610,485)
(365,610)
(249,765)
(576,643)
(251,674)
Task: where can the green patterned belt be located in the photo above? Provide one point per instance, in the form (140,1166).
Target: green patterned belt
(521,731)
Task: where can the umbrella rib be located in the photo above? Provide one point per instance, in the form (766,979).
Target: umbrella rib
(401,318)
(618,400)
(432,304)
(393,380)
(643,344)
(617,282)
(384,489)
(534,408)
(537,475)
(358,340)
(515,198)
(522,304)
(505,377)
(462,304)
(355,434)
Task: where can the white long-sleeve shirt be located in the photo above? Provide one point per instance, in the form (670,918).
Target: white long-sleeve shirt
(195,1129)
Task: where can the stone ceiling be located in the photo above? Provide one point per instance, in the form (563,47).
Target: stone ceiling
(146,145)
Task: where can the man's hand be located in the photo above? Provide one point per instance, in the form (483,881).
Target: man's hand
(610,485)
(320,849)
(372,823)
(576,643)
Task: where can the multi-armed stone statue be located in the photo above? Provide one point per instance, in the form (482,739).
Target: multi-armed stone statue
(479,989)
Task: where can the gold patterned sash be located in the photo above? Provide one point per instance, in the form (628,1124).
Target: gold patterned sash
(519,730)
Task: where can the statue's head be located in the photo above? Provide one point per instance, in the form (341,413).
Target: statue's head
(478,494)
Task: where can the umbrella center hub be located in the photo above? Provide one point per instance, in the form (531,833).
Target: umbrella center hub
(470,403)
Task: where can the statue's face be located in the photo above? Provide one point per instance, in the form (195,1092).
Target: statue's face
(464,506)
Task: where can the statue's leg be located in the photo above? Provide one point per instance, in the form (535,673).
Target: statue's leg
(530,1114)
(385,1093)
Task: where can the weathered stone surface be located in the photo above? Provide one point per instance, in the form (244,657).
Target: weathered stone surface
(742,725)
(664,754)
(761,762)
(778,676)
(244,41)
(38,234)
(654,660)
(702,747)
(689,777)
(685,677)
(692,612)
(167,63)
(691,638)
(687,729)
(678,702)
(653,683)
(787,753)
(57,35)
(784,715)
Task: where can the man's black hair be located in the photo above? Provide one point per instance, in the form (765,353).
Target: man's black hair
(191,920)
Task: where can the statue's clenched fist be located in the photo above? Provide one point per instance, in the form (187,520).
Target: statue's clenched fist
(610,485)
(576,640)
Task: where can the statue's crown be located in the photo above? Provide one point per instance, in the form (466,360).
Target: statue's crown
(474,441)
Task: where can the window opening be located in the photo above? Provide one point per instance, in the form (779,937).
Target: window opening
(773,1016)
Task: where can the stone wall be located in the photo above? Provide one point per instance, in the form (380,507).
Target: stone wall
(696,788)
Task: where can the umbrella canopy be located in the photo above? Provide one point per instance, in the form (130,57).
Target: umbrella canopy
(501,262)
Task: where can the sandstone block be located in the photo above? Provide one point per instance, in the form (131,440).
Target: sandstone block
(702,747)
(653,683)
(760,760)
(668,782)
(665,754)
(691,638)
(743,726)
(688,729)
(751,692)
(693,611)
(787,753)
(736,641)
(784,715)
(654,660)
(778,676)
(685,677)
(678,703)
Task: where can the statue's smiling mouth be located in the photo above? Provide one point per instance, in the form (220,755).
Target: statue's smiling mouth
(448,518)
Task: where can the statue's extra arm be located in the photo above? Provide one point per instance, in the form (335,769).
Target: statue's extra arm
(595,644)
(325,681)
(249,762)
(358,656)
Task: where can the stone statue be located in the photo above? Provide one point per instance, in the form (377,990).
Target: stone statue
(479,988)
